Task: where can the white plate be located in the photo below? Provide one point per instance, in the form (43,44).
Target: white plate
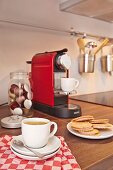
(53,144)
(35,158)
(103,134)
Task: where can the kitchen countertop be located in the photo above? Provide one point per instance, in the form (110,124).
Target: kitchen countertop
(90,154)
(102,98)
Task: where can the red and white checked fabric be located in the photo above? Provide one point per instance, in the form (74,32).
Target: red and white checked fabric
(63,160)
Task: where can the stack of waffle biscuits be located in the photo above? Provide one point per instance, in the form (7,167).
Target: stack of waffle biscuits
(87,125)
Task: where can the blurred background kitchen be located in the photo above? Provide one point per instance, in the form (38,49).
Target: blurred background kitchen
(28,27)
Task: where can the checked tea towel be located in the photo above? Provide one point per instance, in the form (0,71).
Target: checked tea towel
(63,160)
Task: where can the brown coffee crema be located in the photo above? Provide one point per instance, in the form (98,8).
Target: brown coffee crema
(35,123)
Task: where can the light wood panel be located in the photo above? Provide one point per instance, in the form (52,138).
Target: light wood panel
(98,9)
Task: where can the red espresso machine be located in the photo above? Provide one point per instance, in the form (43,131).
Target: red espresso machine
(45,67)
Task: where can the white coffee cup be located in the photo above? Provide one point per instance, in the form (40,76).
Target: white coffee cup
(36,131)
(69,84)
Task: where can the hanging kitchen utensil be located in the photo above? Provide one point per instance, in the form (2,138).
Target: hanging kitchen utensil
(87,60)
(107,63)
(81,44)
(91,45)
(86,63)
(111,72)
(104,43)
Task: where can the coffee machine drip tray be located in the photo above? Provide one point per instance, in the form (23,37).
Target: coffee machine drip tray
(72,106)
(68,110)
(61,111)
(74,92)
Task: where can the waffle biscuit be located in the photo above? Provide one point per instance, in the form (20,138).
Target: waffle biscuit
(90,133)
(103,126)
(81,125)
(83,129)
(83,118)
(99,121)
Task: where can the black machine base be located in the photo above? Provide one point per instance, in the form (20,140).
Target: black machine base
(61,111)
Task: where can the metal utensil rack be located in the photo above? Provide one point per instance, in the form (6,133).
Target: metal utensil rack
(84,35)
(71,32)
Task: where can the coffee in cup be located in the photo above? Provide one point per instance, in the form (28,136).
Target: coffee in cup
(69,84)
(36,131)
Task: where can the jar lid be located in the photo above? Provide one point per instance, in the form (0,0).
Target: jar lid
(12,121)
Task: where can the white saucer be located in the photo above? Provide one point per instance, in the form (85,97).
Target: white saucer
(53,144)
(35,158)
(104,134)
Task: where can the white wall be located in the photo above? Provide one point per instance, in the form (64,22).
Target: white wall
(20,43)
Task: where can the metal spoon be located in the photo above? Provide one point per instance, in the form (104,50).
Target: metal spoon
(21,144)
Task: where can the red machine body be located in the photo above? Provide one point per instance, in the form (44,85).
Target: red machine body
(44,68)
(43,78)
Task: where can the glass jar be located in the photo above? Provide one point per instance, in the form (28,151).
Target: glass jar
(19,93)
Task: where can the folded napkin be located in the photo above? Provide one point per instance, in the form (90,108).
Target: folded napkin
(63,160)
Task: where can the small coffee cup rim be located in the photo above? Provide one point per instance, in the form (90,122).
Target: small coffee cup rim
(34,118)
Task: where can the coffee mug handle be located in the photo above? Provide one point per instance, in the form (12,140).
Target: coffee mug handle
(77,83)
(54,130)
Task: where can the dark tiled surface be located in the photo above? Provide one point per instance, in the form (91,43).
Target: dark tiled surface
(103,98)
